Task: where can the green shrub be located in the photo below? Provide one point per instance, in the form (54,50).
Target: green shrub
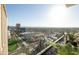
(12,48)
(12,45)
(67,49)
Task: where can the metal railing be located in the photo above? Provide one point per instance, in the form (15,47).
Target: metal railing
(48,47)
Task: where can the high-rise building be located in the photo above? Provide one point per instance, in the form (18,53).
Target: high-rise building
(18,25)
(17,29)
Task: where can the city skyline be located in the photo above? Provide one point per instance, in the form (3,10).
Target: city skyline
(42,15)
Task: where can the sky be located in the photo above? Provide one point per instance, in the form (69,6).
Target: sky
(42,15)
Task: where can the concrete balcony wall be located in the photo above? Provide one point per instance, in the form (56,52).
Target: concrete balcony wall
(3,31)
(0,31)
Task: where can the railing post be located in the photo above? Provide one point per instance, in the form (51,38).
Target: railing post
(65,37)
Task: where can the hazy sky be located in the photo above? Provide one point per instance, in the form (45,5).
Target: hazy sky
(43,15)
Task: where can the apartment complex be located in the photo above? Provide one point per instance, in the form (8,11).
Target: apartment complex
(3,31)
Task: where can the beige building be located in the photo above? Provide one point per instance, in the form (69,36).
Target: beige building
(3,31)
